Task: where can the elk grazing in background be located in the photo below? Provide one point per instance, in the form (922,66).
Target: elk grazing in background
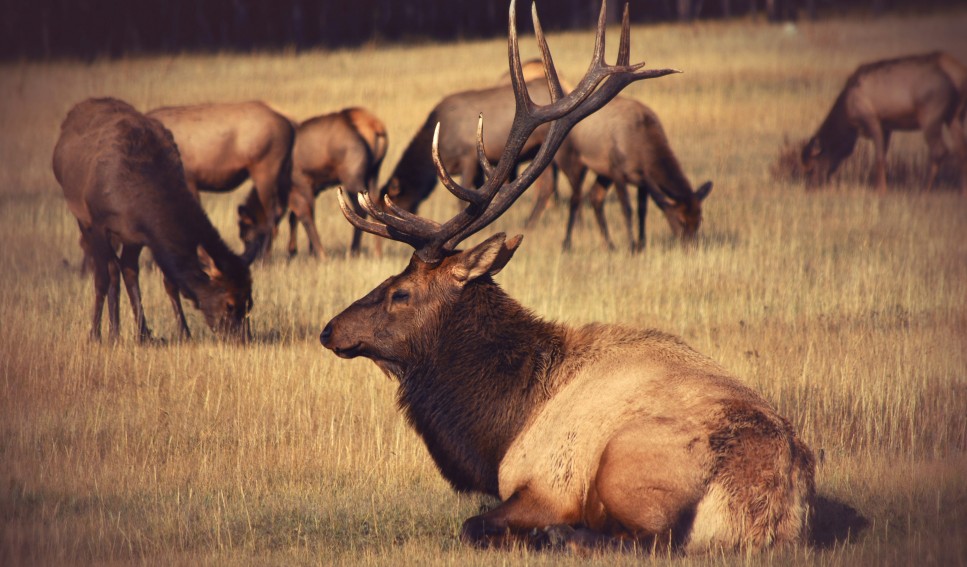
(625,144)
(919,92)
(342,148)
(414,177)
(123,181)
(222,145)
(598,434)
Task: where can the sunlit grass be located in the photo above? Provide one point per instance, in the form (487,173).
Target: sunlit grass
(846,309)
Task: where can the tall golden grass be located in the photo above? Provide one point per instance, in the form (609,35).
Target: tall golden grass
(847,310)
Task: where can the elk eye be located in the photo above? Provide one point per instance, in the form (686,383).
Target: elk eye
(400,296)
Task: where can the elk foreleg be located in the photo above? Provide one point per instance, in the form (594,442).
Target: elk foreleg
(643,191)
(100,259)
(875,131)
(173,295)
(621,188)
(512,521)
(130,271)
(598,192)
(302,205)
(575,177)
(933,132)
(546,187)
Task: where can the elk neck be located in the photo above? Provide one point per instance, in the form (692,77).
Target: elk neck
(415,172)
(836,134)
(485,368)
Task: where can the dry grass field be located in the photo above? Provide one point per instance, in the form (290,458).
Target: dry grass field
(847,310)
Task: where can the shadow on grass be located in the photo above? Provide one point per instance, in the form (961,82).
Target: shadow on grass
(835,522)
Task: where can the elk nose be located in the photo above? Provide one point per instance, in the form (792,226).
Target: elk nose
(326,334)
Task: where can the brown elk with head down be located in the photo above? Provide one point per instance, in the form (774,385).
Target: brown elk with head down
(222,145)
(598,433)
(919,92)
(342,148)
(123,181)
(624,143)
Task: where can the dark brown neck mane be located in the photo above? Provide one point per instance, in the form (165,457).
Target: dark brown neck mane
(836,135)
(176,251)
(487,345)
(415,172)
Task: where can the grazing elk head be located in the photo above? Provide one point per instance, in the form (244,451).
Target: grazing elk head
(684,216)
(226,299)
(390,323)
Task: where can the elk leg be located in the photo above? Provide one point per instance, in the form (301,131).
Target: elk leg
(303,209)
(938,150)
(575,177)
(959,139)
(642,214)
(875,132)
(172,289)
(598,192)
(99,257)
(511,521)
(546,187)
(130,271)
(293,234)
(354,188)
(113,292)
(622,190)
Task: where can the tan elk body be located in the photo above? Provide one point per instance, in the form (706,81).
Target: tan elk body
(598,434)
(345,147)
(222,145)
(624,144)
(919,92)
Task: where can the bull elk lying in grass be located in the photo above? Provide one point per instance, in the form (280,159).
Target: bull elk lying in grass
(599,434)
(123,181)
(222,145)
(919,92)
(342,148)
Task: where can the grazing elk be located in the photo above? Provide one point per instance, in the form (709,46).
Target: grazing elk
(342,148)
(922,92)
(598,434)
(222,145)
(624,143)
(123,181)
(414,177)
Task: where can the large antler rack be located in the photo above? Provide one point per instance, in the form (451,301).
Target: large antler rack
(601,83)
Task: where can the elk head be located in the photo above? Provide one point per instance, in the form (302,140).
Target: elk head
(390,324)
(685,216)
(823,154)
(255,228)
(226,299)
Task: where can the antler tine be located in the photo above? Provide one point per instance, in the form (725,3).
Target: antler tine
(459,191)
(624,44)
(372,227)
(398,219)
(485,164)
(553,81)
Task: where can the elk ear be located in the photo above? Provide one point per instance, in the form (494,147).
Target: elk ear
(392,188)
(245,216)
(207,264)
(488,257)
(703,191)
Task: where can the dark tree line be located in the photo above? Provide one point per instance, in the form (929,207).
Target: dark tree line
(92,28)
